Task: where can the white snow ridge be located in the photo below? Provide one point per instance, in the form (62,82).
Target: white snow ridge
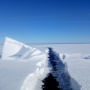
(23,67)
(34,81)
(13,49)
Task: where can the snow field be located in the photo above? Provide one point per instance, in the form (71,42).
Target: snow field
(23,67)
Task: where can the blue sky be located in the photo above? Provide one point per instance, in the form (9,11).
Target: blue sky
(45,21)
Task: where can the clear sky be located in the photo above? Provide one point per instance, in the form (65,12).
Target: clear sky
(45,21)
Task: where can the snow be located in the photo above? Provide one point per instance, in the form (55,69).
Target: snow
(59,70)
(78,63)
(34,81)
(22,75)
(13,73)
(77,59)
(13,49)
(23,67)
(66,48)
(79,69)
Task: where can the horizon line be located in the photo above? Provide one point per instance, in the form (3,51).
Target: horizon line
(51,43)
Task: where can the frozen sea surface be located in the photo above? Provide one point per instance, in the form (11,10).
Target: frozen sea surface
(76,56)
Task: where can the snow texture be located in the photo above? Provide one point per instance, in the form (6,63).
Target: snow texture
(59,70)
(13,49)
(77,59)
(23,67)
(34,81)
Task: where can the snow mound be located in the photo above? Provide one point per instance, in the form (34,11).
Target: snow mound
(13,49)
(34,80)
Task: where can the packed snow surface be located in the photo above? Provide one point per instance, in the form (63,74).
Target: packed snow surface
(23,67)
(77,59)
(13,73)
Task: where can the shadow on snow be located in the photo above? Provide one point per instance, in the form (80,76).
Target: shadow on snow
(58,78)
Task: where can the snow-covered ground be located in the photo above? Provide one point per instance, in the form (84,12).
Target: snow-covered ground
(77,58)
(22,66)
(13,73)
(26,66)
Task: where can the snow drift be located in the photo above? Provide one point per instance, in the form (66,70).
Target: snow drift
(16,73)
(34,80)
(13,49)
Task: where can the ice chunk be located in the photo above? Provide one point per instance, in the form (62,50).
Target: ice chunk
(13,49)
